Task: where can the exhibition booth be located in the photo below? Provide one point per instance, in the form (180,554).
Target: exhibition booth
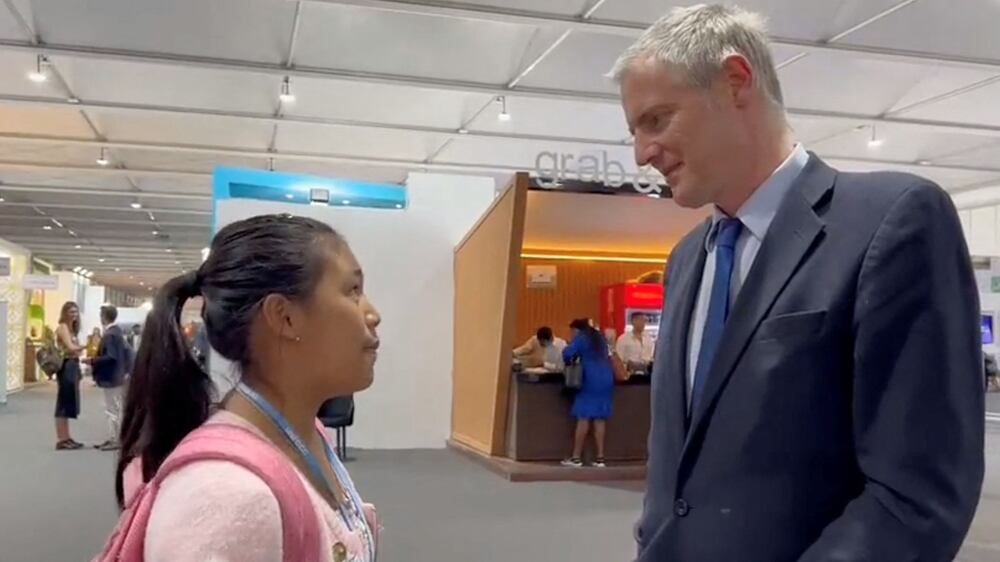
(543,257)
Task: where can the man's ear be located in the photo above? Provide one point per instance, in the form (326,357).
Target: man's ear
(282,317)
(737,77)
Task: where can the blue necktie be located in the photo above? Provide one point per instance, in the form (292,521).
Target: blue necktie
(718,306)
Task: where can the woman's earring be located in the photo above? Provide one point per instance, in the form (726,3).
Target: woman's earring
(298,338)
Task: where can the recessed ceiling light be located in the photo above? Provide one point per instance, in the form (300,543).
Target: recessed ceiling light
(463,131)
(503,115)
(156,233)
(142,283)
(118,269)
(924,162)
(38,74)
(169,250)
(136,205)
(2,199)
(73,101)
(47,227)
(78,246)
(286,94)
(177,262)
(100,260)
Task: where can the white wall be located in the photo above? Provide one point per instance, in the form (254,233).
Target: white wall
(408,260)
(90,318)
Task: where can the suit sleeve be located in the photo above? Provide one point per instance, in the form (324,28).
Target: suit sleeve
(917,389)
(107,353)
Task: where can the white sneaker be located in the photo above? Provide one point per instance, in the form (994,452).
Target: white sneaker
(573,463)
(599,464)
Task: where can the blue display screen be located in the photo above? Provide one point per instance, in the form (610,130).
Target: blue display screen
(986,327)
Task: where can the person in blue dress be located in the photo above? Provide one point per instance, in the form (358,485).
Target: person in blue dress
(592,404)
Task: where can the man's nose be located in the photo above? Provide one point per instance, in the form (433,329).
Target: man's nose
(645,151)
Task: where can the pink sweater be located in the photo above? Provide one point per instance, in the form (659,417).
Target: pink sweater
(216,511)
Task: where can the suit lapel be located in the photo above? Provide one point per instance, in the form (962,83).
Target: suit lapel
(789,239)
(687,279)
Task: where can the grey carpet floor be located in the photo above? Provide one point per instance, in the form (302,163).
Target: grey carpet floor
(435,505)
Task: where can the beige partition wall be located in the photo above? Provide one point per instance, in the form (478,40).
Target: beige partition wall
(486,270)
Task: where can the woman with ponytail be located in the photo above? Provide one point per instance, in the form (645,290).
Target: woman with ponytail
(592,404)
(284,301)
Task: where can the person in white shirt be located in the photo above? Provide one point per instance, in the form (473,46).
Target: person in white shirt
(542,350)
(636,348)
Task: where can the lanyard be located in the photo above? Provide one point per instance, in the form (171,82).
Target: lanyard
(312,462)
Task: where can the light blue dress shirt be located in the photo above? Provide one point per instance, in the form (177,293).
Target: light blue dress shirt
(756,215)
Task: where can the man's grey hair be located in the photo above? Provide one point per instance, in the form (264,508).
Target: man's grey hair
(698,39)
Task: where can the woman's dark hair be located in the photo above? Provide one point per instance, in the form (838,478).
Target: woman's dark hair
(544,334)
(74,325)
(170,394)
(583,326)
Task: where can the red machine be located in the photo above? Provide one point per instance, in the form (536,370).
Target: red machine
(619,302)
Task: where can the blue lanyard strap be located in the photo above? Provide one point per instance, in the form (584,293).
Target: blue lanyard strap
(312,463)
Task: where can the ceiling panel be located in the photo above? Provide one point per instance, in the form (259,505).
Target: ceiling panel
(575,119)
(579,63)
(948,179)
(8,26)
(340,99)
(231,29)
(175,184)
(185,161)
(800,19)
(853,84)
(563,7)
(24,120)
(399,43)
(899,143)
(12,151)
(977,106)
(171,86)
(183,129)
(970,31)
(67,179)
(986,154)
(354,141)
(523,155)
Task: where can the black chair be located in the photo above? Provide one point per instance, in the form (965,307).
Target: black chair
(338,413)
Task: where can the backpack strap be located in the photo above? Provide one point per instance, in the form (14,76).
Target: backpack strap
(300,529)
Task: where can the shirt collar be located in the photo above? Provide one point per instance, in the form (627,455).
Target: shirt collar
(759,210)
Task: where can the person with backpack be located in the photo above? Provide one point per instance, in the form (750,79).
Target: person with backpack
(254,479)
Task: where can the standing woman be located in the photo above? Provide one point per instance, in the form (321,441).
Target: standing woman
(284,301)
(68,377)
(592,405)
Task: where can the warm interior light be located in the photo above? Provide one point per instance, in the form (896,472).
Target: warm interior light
(581,257)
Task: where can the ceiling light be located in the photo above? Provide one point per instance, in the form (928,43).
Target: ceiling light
(463,131)
(399,205)
(102,160)
(503,115)
(156,233)
(131,276)
(875,142)
(177,262)
(47,227)
(289,196)
(151,217)
(924,162)
(78,246)
(118,269)
(146,305)
(169,250)
(57,223)
(77,269)
(141,283)
(71,233)
(2,199)
(73,100)
(38,74)
(136,205)
(100,260)
(286,95)
(204,253)
(346,201)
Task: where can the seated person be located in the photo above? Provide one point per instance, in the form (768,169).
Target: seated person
(636,348)
(542,350)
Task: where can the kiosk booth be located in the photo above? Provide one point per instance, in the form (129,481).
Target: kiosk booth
(543,257)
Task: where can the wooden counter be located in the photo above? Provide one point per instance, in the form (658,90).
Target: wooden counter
(539,426)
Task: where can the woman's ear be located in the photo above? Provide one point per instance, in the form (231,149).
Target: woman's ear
(281,317)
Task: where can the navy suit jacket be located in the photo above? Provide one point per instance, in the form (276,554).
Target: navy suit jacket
(114,358)
(842,419)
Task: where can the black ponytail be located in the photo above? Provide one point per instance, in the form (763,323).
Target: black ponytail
(169,393)
(594,337)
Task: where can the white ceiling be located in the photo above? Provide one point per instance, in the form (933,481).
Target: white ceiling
(384,87)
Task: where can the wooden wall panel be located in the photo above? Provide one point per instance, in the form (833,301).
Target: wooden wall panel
(577,293)
(485,306)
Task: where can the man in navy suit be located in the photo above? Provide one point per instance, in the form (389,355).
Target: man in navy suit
(817,386)
(111,364)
